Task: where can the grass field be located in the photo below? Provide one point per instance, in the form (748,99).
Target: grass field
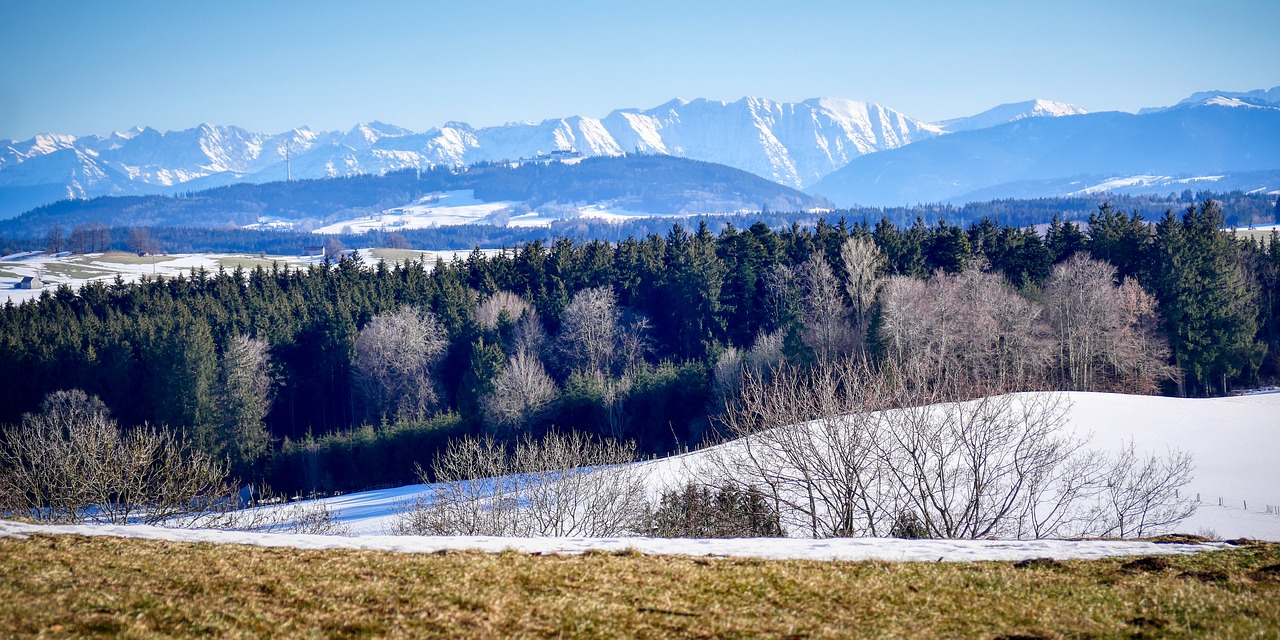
(1263,235)
(58,586)
(123,257)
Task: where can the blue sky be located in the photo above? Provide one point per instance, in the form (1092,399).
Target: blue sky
(95,67)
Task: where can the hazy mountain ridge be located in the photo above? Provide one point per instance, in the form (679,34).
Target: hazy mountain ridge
(655,184)
(1037,157)
(809,144)
(1011,113)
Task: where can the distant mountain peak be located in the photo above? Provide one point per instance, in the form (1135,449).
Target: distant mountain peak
(1011,112)
(1254,98)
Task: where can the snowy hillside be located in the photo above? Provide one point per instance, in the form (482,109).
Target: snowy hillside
(1233,441)
(1010,113)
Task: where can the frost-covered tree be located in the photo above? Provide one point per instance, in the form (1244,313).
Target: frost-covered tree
(863,265)
(394,364)
(521,389)
(589,330)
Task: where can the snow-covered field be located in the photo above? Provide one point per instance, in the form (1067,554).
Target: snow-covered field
(76,270)
(462,207)
(1235,441)
(767,548)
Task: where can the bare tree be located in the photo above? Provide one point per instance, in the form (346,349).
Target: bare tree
(782,295)
(589,329)
(863,264)
(561,485)
(395,357)
(520,390)
(1105,334)
(498,305)
(827,329)
(843,450)
(968,330)
(633,342)
(805,440)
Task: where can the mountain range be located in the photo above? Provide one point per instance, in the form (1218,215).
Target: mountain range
(851,152)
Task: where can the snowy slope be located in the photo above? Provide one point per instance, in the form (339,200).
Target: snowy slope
(1010,113)
(1233,441)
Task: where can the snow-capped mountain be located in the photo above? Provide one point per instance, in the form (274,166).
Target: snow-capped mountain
(1010,113)
(1212,144)
(1256,98)
(791,143)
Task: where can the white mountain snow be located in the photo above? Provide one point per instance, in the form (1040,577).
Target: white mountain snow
(1011,112)
(1256,98)
(791,143)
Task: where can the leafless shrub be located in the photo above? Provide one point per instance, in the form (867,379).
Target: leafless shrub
(561,485)
(844,450)
(1142,494)
(71,462)
(270,514)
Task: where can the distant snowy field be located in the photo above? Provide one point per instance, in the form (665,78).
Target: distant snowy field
(1235,441)
(76,270)
(461,207)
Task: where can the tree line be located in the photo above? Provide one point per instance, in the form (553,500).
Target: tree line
(289,374)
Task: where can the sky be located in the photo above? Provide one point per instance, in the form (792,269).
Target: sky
(95,67)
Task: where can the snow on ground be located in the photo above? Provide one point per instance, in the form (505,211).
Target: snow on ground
(1142,181)
(437,210)
(76,270)
(1235,441)
(462,207)
(890,549)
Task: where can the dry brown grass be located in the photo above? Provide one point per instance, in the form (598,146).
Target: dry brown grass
(59,586)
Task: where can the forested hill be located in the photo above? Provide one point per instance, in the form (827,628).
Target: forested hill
(656,184)
(642,339)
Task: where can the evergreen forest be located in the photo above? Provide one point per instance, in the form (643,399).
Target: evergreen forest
(343,376)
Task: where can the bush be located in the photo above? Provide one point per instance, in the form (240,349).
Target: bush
(696,511)
(560,485)
(908,525)
(361,458)
(71,462)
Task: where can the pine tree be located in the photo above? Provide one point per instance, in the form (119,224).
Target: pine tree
(1210,314)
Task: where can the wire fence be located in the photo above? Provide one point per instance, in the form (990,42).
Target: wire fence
(1231,503)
